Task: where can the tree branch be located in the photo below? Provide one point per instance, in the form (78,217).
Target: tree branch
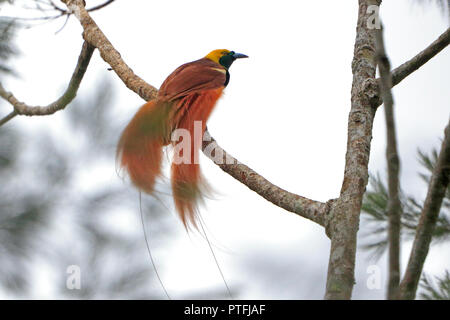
(8,117)
(95,37)
(304,207)
(309,209)
(436,191)
(404,70)
(393,165)
(100,6)
(21,108)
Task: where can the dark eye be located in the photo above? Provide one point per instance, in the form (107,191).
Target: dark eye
(231,53)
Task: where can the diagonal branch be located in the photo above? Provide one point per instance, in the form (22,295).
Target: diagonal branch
(304,207)
(394,209)
(21,108)
(404,70)
(309,209)
(436,191)
(8,117)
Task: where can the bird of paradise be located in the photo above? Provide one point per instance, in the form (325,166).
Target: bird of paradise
(186,98)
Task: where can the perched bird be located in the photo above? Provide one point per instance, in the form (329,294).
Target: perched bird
(185,100)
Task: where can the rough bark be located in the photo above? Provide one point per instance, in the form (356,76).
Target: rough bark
(343,221)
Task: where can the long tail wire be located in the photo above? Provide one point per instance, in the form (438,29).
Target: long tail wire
(215,258)
(148,248)
(154,264)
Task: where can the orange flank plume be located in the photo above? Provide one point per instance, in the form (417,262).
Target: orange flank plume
(185,175)
(140,147)
(183,105)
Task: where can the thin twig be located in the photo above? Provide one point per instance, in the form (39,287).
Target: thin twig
(394,209)
(405,69)
(8,117)
(64,24)
(22,108)
(36,18)
(54,7)
(100,6)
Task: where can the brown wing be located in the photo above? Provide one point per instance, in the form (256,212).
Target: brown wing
(192,77)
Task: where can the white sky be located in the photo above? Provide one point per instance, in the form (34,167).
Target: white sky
(284,114)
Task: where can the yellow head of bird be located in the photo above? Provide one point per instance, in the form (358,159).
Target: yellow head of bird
(224,57)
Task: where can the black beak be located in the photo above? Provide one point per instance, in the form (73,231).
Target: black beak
(239,55)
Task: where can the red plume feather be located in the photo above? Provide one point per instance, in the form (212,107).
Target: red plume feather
(188,95)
